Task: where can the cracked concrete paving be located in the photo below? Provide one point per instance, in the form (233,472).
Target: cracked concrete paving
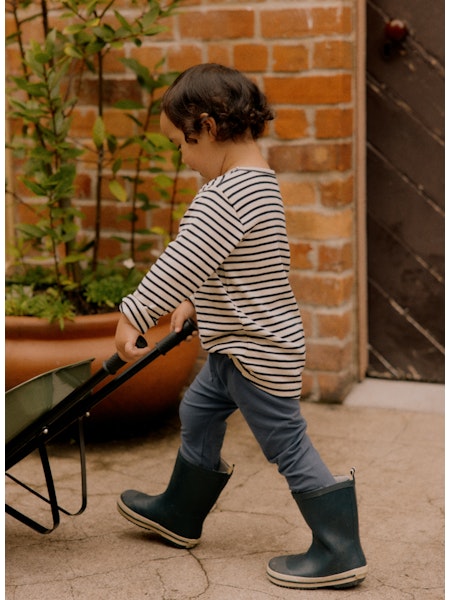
(399,457)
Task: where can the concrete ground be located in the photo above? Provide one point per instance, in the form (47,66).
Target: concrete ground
(393,433)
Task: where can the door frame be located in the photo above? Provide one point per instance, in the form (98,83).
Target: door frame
(362,335)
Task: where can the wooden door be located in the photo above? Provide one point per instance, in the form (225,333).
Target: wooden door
(405,190)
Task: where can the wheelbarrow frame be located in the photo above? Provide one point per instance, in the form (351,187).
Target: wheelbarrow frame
(73,409)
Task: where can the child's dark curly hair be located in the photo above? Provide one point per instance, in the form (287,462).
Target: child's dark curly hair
(231,99)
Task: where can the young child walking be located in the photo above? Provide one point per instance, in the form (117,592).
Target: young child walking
(228,270)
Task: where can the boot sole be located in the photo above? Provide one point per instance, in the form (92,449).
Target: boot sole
(137,519)
(340,580)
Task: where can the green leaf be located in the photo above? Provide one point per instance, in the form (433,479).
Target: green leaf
(150,17)
(111,141)
(159,141)
(163,181)
(72,29)
(124,23)
(128,105)
(98,132)
(73,51)
(73,258)
(32,231)
(116,165)
(117,190)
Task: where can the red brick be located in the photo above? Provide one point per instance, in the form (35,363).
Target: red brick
(250,57)
(333,54)
(12,59)
(336,193)
(114,90)
(309,89)
(297,193)
(322,290)
(323,356)
(285,23)
(82,122)
(313,225)
(311,157)
(109,248)
(336,258)
(26,213)
(9,25)
(181,57)
(334,123)
(291,123)
(308,321)
(301,255)
(220,53)
(334,387)
(334,325)
(83,186)
(298,22)
(290,58)
(307,384)
(109,217)
(148,54)
(332,20)
(216,24)
(112,62)
(117,123)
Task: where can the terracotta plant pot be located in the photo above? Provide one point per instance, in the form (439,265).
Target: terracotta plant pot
(33,346)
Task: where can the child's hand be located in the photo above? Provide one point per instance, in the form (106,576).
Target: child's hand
(184,311)
(126,336)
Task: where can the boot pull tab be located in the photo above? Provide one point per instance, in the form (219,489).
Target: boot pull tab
(352,473)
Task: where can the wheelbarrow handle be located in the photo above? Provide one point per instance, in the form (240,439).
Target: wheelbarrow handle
(114,362)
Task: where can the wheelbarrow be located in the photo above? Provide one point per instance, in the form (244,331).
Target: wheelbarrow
(41,408)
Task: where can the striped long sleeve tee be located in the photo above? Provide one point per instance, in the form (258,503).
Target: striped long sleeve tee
(231,259)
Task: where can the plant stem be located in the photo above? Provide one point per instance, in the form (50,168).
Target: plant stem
(100,158)
(137,178)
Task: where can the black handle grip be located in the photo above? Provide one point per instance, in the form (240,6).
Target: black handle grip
(175,338)
(114,362)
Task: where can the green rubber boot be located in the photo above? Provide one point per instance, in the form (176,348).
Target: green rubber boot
(178,514)
(335,558)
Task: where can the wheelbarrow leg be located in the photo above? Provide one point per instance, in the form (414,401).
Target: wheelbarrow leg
(50,500)
(82,453)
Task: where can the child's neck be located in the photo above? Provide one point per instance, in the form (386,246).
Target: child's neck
(243,154)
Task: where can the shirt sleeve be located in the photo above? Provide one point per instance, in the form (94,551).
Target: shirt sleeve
(209,232)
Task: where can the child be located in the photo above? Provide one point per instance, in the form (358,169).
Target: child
(228,269)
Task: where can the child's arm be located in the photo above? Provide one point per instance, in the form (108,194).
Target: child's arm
(127,334)
(211,229)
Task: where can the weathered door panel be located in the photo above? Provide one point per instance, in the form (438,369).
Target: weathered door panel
(415,358)
(405,192)
(406,212)
(417,77)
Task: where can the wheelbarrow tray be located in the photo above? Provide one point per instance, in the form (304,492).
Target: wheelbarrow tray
(41,408)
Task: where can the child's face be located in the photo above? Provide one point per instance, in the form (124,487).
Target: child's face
(202,155)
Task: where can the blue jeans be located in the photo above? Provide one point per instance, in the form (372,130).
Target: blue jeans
(277,424)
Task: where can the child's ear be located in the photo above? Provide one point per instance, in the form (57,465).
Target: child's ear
(209,124)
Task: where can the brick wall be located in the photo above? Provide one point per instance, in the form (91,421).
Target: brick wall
(302,54)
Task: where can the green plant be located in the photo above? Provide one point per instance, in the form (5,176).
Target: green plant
(73,40)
